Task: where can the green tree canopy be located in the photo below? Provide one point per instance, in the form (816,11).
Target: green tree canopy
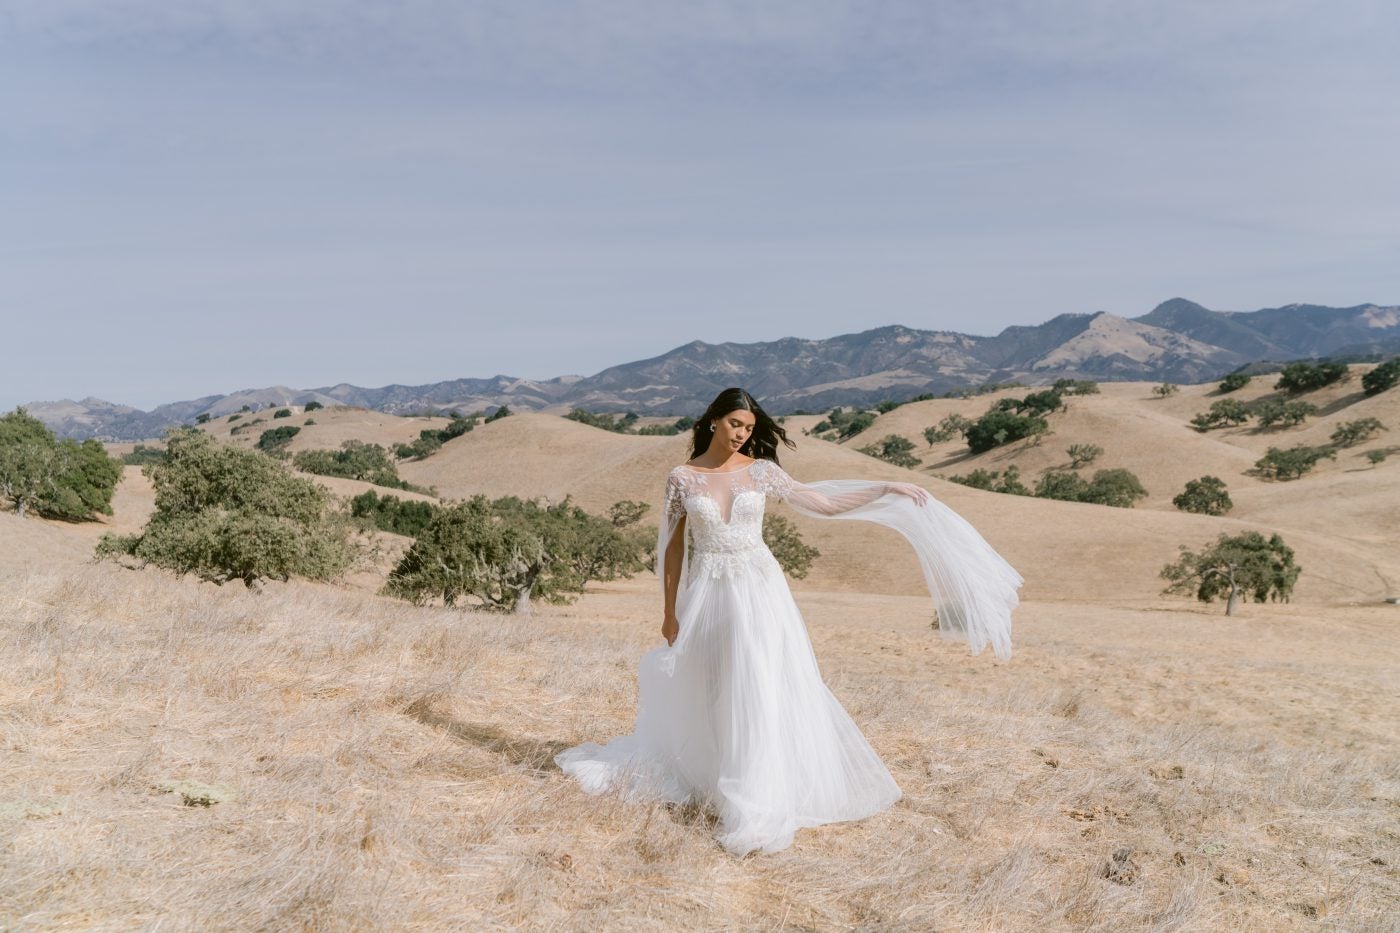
(1292,463)
(1083,454)
(945,430)
(1305,377)
(1234,382)
(1204,496)
(1002,427)
(1242,564)
(841,423)
(275,440)
(1226,411)
(1285,414)
(793,554)
(992,481)
(1384,376)
(370,463)
(224,513)
(893,448)
(392,514)
(507,552)
(1351,433)
(56,479)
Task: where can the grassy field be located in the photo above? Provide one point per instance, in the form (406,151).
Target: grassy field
(180,756)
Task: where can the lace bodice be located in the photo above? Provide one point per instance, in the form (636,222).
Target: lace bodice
(724,511)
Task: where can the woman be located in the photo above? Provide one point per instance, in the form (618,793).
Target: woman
(733,713)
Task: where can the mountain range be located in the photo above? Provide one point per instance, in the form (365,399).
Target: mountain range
(1177,341)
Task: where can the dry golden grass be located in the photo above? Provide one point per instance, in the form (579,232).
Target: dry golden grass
(381,766)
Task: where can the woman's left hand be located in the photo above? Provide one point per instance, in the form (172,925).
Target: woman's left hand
(918,493)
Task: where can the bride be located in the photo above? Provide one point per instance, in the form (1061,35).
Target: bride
(733,713)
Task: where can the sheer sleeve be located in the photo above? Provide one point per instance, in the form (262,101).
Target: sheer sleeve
(973,587)
(672,513)
(675,496)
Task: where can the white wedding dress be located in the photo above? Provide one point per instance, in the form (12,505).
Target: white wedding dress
(734,715)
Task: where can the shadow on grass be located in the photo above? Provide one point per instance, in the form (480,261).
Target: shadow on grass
(533,753)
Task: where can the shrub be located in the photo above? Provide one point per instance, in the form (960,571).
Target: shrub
(1245,564)
(1384,376)
(247,426)
(308,422)
(1001,427)
(1351,433)
(392,514)
(844,424)
(57,479)
(1226,411)
(1083,454)
(978,479)
(1375,456)
(430,440)
(1038,403)
(627,512)
(140,455)
(502,412)
(783,539)
(282,413)
(202,418)
(1061,484)
(893,449)
(1076,387)
(992,481)
(606,422)
(596,548)
(1204,496)
(1293,462)
(224,513)
(1234,382)
(312,406)
(1116,487)
(1166,389)
(1305,377)
(234,417)
(506,552)
(275,440)
(354,460)
(428,443)
(946,429)
(1287,414)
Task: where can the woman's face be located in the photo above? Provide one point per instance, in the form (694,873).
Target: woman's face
(733,430)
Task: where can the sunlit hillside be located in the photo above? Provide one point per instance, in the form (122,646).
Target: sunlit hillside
(315,756)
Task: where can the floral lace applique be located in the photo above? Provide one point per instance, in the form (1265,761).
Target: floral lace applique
(680,483)
(772,479)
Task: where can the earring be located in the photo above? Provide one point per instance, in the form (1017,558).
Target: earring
(712,427)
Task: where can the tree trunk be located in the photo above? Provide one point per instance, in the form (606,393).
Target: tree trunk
(522,601)
(1234,596)
(20,504)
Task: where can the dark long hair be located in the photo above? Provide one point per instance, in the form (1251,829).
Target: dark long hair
(762,443)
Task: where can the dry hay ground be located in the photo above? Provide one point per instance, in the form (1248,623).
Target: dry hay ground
(1142,763)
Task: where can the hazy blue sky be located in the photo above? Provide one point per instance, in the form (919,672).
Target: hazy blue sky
(206,195)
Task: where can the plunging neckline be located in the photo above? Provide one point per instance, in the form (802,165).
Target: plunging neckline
(733,500)
(734,496)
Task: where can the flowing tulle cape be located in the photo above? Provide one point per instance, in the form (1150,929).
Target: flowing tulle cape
(973,587)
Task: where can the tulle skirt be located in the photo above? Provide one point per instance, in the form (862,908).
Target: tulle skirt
(735,716)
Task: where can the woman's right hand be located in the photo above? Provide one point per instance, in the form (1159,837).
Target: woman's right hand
(670,629)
